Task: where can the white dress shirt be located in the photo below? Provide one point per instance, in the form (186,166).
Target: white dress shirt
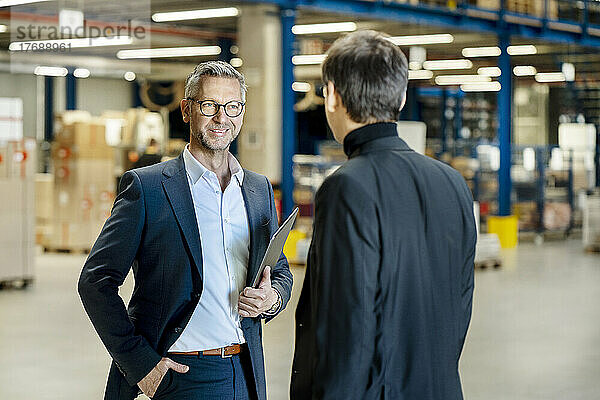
(225,241)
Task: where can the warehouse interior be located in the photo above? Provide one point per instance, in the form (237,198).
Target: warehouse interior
(505,91)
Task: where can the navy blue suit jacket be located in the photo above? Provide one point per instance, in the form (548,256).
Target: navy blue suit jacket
(152,229)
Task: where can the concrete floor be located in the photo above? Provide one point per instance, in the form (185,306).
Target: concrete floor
(535,332)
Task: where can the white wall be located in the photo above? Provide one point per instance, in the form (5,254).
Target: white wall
(99,94)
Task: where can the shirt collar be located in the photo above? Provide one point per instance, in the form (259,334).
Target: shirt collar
(367,133)
(196,170)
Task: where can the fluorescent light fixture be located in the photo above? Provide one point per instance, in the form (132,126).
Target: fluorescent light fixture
(50,71)
(420,74)
(524,70)
(196,14)
(81,73)
(67,44)
(522,50)
(323,28)
(3,28)
(308,59)
(170,52)
(8,3)
(236,62)
(129,76)
(460,79)
(422,39)
(489,71)
(546,77)
(448,64)
(481,87)
(301,87)
(481,51)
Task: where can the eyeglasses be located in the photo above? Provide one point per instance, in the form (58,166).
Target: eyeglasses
(210,108)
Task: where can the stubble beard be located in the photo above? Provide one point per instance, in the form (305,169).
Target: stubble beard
(220,144)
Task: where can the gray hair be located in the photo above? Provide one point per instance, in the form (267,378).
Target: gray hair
(219,69)
(370,73)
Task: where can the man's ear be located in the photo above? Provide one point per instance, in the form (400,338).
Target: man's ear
(332,99)
(403,102)
(183,105)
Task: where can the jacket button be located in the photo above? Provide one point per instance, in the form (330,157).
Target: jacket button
(178,330)
(300,325)
(196,295)
(295,372)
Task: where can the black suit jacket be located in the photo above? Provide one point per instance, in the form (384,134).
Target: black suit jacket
(386,300)
(153,229)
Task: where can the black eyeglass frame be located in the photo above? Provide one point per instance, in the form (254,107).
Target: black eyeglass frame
(219,105)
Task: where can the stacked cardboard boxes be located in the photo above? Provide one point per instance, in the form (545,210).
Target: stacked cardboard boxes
(84,184)
(17,209)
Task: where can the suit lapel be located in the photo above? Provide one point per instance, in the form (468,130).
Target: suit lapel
(252,201)
(178,192)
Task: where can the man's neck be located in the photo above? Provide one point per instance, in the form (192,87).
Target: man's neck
(216,161)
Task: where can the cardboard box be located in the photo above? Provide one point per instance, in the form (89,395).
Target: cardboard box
(85,140)
(83,195)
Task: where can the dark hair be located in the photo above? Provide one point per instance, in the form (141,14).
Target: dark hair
(215,69)
(370,73)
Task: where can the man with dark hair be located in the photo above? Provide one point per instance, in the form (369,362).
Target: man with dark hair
(386,301)
(194,229)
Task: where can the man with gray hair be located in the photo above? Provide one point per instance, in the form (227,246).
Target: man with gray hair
(194,230)
(386,300)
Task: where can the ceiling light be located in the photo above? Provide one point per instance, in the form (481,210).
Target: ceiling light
(481,51)
(129,76)
(420,74)
(196,14)
(481,87)
(460,79)
(422,39)
(81,73)
(489,71)
(524,70)
(236,62)
(67,44)
(301,87)
(170,52)
(308,59)
(3,28)
(323,28)
(545,77)
(50,71)
(447,64)
(522,50)
(8,3)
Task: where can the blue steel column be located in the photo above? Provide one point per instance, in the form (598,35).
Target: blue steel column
(444,124)
(71,87)
(48,108)
(288,115)
(504,128)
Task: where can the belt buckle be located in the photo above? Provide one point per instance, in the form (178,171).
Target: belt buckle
(223,355)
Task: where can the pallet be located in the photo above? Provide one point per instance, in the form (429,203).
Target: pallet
(78,250)
(16,283)
(488,263)
(593,248)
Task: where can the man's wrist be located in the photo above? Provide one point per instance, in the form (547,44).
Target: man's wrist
(276,306)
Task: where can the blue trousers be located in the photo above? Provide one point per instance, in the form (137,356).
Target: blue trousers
(209,378)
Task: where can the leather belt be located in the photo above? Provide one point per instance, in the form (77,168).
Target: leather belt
(224,352)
